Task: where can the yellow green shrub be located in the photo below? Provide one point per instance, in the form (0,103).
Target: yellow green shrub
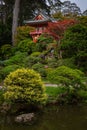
(24,85)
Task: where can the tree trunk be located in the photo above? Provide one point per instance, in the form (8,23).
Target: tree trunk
(60,52)
(15,20)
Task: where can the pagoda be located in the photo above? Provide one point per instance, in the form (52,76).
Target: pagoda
(40,23)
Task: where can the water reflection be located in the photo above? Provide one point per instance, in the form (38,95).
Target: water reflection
(53,118)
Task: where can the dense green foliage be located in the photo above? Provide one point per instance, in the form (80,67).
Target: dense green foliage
(24,85)
(25,46)
(6,51)
(75,40)
(23,32)
(6,70)
(5,33)
(67,77)
(83,20)
(71,87)
(31,60)
(44,42)
(74,44)
(18,59)
(14,62)
(40,68)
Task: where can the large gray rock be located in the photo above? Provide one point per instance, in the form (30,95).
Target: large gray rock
(25,118)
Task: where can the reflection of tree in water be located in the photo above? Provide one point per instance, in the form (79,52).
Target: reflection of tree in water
(5,120)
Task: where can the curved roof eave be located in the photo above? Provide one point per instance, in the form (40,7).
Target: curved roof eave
(36,21)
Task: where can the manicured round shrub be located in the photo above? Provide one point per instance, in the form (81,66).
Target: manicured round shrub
(24,85)
(67,77)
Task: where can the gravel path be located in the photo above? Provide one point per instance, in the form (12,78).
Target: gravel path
(50,85)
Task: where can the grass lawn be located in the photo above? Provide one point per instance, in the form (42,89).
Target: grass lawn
(53,92)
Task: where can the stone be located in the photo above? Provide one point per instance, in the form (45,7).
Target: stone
(25,118)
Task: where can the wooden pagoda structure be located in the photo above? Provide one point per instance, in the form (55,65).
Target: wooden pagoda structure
(40,23)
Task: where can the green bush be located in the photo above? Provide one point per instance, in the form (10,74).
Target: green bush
(18,59)
(83,94)
(66,76)
(71,79)
(40,69)
(25,46)
(74,44)
(69,62)
(36,54)
(6,51)
(31,60)
(1,63)
(43,42)
(23,32)
(6,70)
(13,63)
(24,85)
(74,41)
(81,61)
(52,62)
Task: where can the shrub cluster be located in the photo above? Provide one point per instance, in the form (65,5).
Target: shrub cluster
(24,85)
(66,76)
(23,33)
(69,80)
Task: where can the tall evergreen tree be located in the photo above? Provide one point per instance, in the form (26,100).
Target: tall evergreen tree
(70,8)
(85,13)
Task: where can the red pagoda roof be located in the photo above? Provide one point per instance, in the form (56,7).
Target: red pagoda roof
(36,21)
(40,18)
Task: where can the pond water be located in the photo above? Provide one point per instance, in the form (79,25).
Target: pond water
(53,118)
